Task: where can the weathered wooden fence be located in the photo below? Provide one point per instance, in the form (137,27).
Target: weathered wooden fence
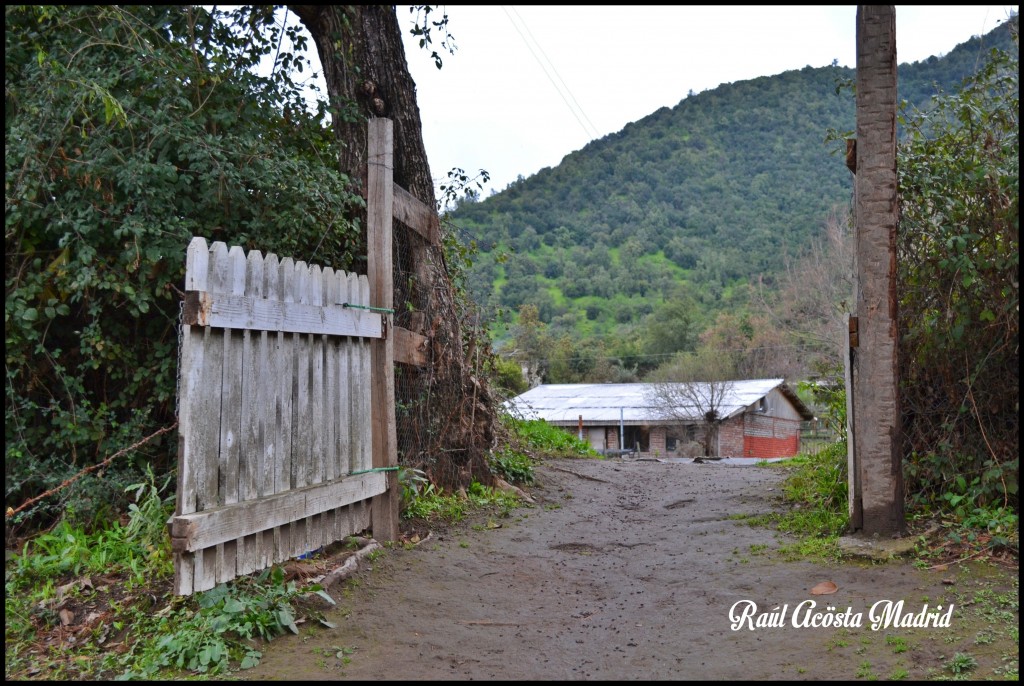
(274,410)
(287,396)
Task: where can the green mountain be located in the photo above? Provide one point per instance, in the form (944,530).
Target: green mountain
(695,201)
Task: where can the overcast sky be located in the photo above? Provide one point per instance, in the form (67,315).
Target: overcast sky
(530,84)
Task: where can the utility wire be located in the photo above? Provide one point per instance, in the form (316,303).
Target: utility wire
(591,132)
(593,128)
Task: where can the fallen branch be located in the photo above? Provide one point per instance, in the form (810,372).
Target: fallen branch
(349,566)
(582,476)
(11,511)
(953,562)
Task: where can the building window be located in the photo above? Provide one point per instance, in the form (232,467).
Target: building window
(637,438)
(670,444)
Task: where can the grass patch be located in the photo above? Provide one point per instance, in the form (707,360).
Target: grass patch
(97,605)
(815,491)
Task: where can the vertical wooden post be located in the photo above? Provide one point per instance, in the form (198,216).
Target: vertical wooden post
(876,411)
(855,508)
(379,211)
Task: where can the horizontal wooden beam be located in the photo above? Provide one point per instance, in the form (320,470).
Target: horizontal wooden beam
(199,530)
(410,347)
(415,214)
(242,312)
(412,212)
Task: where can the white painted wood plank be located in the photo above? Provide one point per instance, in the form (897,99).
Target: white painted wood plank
(302,412)
(315,294)
(364,384)
(222,310)
(346,413)
(209,408)
(330,391)
(203,530)
(197,264)
(286,393)
(253,430)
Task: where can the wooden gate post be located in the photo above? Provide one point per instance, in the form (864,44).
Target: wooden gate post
(379,211)
(877,471)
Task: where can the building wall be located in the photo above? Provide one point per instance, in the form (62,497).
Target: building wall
(767,436)
(730,437)
(657,440)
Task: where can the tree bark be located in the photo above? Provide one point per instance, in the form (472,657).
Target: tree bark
(363,59)
(876,472)
(449,417)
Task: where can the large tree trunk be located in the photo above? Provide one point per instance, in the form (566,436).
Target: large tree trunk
(446,423)
(363,59)
(876,472)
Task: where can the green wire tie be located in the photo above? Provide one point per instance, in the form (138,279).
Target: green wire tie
(384,310)
(375,469)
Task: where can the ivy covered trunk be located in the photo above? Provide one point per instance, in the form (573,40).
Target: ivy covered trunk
(446,415)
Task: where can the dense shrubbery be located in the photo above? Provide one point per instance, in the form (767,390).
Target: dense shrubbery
(958,260)
(129,129)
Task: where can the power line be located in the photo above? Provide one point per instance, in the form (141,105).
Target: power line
(591,132)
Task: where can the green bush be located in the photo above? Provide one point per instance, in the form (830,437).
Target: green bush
(538,435)
(128,130)
(511,465)
(958,256)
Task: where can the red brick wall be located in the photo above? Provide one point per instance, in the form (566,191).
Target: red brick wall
(766,436)
(730,437)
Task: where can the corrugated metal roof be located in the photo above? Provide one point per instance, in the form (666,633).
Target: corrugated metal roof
(605,403)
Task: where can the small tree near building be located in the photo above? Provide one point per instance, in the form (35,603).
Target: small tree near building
(692,389)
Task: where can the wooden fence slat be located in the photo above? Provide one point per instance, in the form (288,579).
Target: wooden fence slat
(303,420)
(315,288)
(364,382)
(189,445)
(314,294)
(200,530)
(207,408)
(251,445)
(286,394)
(270,366)
(350,395)
(330,345)
(232,392)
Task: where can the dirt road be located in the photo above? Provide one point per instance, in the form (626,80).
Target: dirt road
(629,570)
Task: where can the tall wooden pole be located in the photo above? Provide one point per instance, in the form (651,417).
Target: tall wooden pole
(380,211)
(876,476)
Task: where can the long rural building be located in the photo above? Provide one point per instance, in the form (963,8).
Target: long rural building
(760,418)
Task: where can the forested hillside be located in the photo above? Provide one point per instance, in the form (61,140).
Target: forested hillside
(689,204)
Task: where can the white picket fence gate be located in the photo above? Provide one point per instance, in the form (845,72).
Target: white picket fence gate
(275,445)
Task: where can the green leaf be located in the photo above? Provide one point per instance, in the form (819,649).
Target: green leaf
(30,314)
(233,606)
(323,594)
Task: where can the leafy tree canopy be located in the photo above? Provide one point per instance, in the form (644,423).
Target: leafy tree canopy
(128,130)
